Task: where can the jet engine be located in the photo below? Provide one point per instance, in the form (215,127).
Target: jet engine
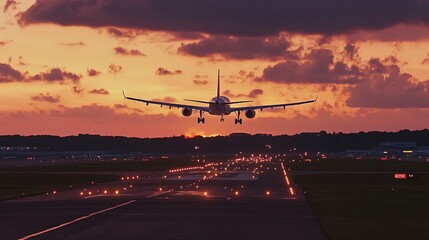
(250,113)
(187,112)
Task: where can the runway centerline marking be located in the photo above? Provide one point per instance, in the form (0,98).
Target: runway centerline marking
(76,220)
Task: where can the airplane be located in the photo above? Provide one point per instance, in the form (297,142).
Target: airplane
(219,105)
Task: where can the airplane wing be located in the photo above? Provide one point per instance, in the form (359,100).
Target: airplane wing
(170,105)
(283,105)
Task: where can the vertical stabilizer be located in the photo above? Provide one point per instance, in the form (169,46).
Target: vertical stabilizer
(218,83)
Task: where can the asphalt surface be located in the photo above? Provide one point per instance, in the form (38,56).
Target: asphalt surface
(246,199)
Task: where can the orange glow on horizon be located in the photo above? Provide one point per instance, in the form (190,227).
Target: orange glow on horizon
(36,107)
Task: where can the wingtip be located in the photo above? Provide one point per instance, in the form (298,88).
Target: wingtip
(123,94)
(315,100)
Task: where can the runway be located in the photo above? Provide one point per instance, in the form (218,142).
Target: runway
(236,199)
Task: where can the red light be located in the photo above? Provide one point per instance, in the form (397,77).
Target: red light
(400,176)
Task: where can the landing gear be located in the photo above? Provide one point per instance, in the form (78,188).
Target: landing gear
(238,119)
(222,119)
(200,118)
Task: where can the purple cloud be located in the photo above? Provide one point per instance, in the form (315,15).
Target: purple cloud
(92,72)
(253,94)
(163,71)
(46,98)
(253,18)
(240,48)
(56,75)
(113,68)
(126,52)
(8,74)
(100,91)
(200,82)
(384,86)
(9,4)
(318,67)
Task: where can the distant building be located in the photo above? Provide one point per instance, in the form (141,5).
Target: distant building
(392,149)
(397,145)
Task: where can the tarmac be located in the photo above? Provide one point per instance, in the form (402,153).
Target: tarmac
(243,199)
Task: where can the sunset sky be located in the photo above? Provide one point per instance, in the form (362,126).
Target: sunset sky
(64,64)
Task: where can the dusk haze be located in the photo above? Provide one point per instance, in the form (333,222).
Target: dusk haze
(64,65)
(214,119)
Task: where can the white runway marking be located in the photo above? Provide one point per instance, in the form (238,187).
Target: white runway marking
(76,220)
(158,194)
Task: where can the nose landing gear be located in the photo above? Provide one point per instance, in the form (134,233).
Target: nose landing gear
(200,118)
(222,119)
(238,119)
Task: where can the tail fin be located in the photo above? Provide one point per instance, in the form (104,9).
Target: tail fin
(218,83)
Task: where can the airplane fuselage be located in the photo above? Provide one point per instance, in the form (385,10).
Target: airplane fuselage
(219,106)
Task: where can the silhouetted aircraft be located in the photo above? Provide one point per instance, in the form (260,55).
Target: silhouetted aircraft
(219,105)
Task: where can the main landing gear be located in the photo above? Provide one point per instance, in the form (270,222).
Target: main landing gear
(200,118)
(238,119)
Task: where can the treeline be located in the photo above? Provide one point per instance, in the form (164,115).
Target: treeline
(246,143)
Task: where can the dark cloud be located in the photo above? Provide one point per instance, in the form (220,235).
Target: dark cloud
(375,66)
(253,94)
(426,60)
(317,67)
(118,33)
(163,71)
(186,35)
(77,89)
(21,61)
(200,82)
(9,4)
(113,68)
(384,86)
(324,39)
(396,33)
(46,98)
(8,74)
(74,44)
(92,72)
(100,91)
(239,48)
(2,43)
(250,18)
(56,75)
(351,51)
(126,52)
